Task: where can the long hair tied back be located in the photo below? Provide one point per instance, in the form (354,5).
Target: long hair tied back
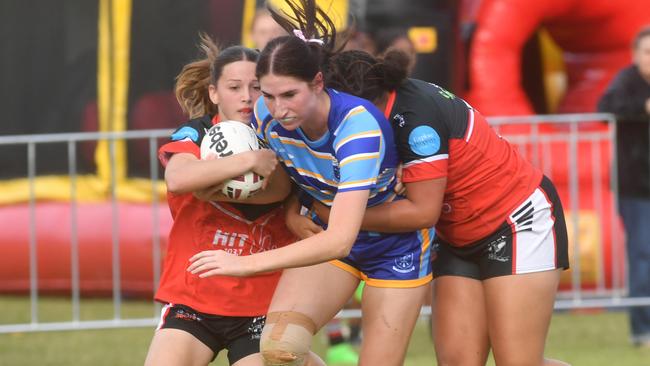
(359,73)
(309,20)
(192,82)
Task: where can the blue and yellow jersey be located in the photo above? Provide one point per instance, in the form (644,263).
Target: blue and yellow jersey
(356,153)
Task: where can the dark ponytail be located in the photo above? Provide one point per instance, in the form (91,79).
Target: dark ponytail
(361,74)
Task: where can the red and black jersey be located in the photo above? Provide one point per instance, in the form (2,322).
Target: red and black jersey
(440,135)
(236,228)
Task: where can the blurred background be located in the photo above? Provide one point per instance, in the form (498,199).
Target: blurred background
(109,66)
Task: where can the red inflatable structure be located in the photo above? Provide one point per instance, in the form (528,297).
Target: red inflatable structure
(594,37)
(53,223)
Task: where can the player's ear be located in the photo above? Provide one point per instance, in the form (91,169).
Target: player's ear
(317,83)
(212,91)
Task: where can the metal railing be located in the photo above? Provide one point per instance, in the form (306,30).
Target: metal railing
(538,142)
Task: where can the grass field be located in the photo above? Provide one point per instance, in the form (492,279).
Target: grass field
(589,339)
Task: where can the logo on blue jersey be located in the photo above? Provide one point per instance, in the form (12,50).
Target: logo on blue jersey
(337,169)
(404,264)
(184,133)
(424,141)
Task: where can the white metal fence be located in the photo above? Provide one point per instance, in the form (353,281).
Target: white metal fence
(561,145)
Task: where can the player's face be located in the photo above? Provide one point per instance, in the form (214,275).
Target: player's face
(642,57)
(292,102)
(236,91)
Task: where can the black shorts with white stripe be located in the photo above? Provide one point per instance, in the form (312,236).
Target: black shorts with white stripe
(533,238)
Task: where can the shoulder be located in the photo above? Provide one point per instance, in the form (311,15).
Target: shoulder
(193,129)
(420,102)
(345,107)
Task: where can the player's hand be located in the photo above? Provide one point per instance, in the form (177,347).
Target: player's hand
(209,194)
(647,105)
(210,263)
(322,211)
(400,188)
(302,226)
(264,162)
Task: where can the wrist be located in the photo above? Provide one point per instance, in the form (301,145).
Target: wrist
(251,264)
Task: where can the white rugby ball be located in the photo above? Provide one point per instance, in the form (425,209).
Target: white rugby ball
(228,138)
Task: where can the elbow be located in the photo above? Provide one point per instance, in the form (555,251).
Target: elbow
(342,252)
(342,247)
(175,186)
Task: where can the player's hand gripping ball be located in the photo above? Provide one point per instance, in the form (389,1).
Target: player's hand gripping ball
(227,138)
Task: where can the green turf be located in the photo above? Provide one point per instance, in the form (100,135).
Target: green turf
(592,339)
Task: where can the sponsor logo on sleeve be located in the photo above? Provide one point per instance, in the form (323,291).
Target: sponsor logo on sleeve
(185,133)
(424,141)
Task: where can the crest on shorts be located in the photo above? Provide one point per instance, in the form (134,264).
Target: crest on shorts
(404,264)
(497,250)
(256,326)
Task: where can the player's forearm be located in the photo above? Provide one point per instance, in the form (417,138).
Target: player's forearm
(397,217)
(335,242)
(320,248)
(190,175)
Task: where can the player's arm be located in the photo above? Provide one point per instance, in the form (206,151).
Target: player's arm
(420,210)
(185,173)
(334,242)
(277,189)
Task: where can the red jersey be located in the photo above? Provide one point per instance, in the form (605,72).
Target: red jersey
(440,135)
(236,228)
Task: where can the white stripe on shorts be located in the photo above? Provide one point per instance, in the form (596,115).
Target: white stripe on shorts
(533,244)
(163,314)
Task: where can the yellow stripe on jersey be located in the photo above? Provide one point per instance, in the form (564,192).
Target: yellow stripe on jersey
(301,144)
(358,157)
(325,201)
(357,183)
(355,136)
(309,173)
(353,112)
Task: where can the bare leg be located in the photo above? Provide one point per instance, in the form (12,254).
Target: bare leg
(389,315)
(459,319)
(317,292)
(519,310)
(177,347)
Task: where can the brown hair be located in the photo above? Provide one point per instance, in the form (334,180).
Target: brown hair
(293,56)
(192,82)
